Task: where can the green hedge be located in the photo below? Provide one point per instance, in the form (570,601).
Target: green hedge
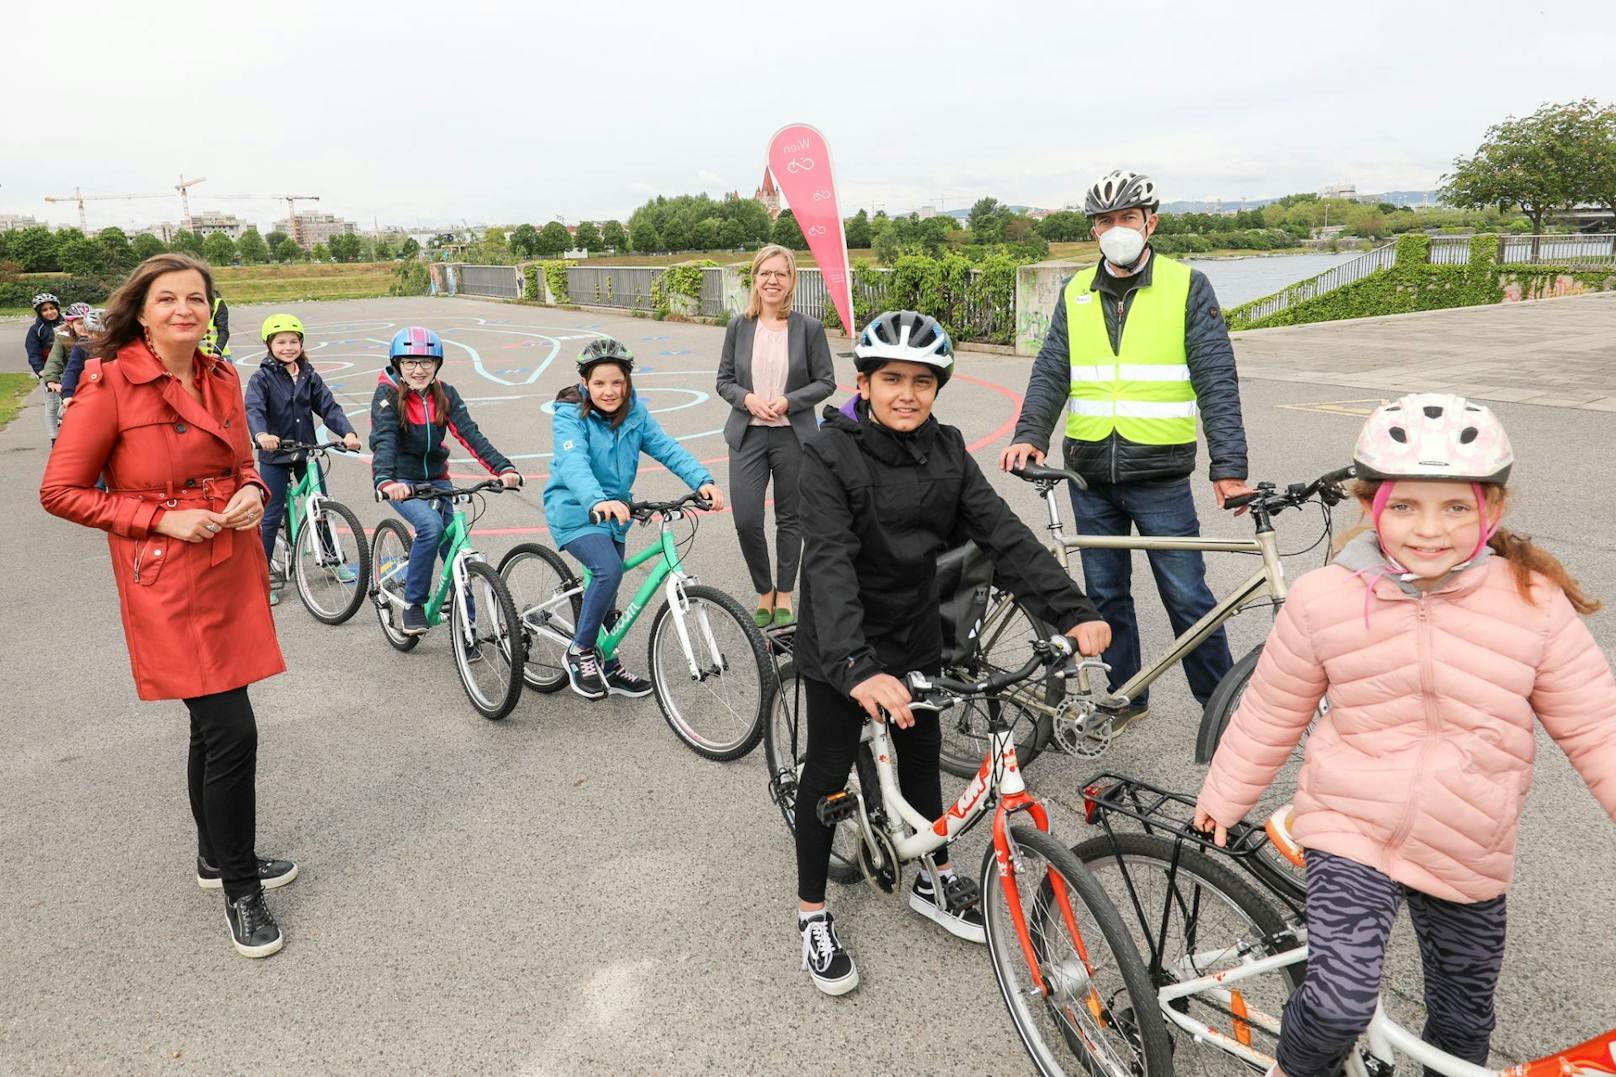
(977,305)
(92,290)
(555,275)
(1413,284)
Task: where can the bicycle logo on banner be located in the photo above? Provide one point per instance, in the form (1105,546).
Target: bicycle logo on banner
(800,164)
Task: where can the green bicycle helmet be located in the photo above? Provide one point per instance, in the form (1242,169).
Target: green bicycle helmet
(604,350)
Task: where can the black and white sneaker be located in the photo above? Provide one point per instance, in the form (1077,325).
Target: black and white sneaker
(620,682)
(252,929)
(823,957)
(583,670)
(415,621)
(271,873)
(964,923)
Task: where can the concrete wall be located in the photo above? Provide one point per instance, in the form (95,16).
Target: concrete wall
(1038,291)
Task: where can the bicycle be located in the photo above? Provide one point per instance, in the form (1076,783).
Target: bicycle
(1081,718)
(321,544)
(489,647)
(1224,958)
(706,657)
(1043,958)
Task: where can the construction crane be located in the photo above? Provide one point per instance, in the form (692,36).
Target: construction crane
(80,197)
(291,213)
(184,188)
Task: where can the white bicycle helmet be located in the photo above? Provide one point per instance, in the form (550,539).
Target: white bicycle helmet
(95,321)
(1121,190)
(1434,436)
(905,336)
(46,297)
(75,311)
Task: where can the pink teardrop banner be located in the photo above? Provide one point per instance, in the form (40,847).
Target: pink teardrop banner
(799,160)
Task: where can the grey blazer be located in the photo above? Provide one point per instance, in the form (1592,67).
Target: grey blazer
(810,378)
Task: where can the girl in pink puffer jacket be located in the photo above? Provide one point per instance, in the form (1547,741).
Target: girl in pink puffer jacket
(1438,637)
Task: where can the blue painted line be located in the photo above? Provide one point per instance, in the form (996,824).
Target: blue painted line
(676,351)
(654,338)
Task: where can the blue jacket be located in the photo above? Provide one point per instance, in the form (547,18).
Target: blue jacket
(278,405)
(71,372)
(41,335)
(594,463)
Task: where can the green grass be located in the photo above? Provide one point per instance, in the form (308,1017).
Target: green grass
(16,312)
(13,388)
(281,283)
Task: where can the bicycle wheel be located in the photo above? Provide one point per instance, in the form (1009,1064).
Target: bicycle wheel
(717,709)
(390,560)
(1220,708)
(1194,916)
(1096,1012)
(785,743)
(1006,644)
(538,579)
(331,563)
(488,647)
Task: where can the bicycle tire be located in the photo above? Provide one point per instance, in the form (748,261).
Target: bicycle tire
(508,641)
(1207,886)
(361,582)
(389,551)
(784,746)
(1129,1010)
(748,708)
(965,740)
(545,669)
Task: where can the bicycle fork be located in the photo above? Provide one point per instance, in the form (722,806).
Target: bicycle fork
(679,604)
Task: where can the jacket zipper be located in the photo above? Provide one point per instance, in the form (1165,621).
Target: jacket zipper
(1116,355)
(426,410)
(140,554)
(1432,726)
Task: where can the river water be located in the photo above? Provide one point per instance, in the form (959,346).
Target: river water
(1240,280)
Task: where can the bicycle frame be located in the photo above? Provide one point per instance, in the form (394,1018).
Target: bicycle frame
(455,546)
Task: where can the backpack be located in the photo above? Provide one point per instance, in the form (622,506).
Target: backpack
(964,582)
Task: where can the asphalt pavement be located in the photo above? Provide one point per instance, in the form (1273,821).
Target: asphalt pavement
(572,890)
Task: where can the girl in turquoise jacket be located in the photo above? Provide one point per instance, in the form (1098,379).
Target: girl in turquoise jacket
(601,427)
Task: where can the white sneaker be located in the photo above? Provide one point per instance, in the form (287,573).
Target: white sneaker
(963,923)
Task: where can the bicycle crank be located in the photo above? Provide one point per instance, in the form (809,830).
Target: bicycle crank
(878,860)
(1085,733)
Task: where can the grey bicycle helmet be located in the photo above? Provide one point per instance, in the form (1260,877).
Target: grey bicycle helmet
(46,297)
(604,350)
(905,336)
(1121,190)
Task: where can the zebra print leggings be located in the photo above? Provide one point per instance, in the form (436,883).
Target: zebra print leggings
(1350,910)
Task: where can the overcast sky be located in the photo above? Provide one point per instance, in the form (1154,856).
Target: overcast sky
(436,112)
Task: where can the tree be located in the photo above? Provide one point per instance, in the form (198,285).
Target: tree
(675,234)
(788,233)
(35,250)
(320,253)
(346,247)
(1066,226)
(145,245)
(410,247)
(219,249)
(642,236)
(587,237)
(1541,163)
(613,236)
(857,230)
(251,248)
(187,241)
(704,237)
(525,241)
(116,251)
(554,239)
(285,249)
(495,244)
(731,235)
(81,257)
(382,249)
(988,219)
(884,240)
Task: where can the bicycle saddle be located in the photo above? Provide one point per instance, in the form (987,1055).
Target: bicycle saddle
(1030,472)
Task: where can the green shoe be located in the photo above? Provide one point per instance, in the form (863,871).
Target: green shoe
(275,597)
(783,618)
(344,574)
(762,618)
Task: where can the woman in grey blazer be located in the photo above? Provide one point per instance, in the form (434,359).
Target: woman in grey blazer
(775,369)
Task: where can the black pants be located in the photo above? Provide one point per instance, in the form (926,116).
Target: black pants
(835,724)
(767,452)
(222,772)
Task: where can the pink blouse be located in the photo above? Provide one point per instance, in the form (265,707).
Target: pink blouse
(770,363)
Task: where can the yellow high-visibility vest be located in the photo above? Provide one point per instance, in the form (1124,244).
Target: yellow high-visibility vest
(210,343)
(1143,392)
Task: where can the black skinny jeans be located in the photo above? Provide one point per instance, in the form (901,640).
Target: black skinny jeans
(222,773)
(835,724)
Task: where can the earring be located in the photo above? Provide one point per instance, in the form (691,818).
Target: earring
(150,343)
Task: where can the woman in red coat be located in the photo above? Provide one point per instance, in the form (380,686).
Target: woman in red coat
(166,425)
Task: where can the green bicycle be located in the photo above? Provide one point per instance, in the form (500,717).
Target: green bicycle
(321,544)
(489,648)
(709,669)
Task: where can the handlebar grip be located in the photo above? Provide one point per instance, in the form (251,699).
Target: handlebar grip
(1240,500)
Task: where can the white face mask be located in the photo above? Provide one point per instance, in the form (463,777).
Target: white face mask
(1122,245)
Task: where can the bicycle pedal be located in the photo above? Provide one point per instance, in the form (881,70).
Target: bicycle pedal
(960,892)
(836,807)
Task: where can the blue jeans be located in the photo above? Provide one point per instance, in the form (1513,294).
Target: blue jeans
(278,477)
(1156,507)
(603,557)
(428,519)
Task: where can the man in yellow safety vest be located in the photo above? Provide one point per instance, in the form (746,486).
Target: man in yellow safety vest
(1136,351)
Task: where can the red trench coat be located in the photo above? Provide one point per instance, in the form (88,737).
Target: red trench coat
(195,615)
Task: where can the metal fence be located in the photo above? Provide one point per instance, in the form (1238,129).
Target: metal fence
(628,287)
(813,298)
(712,292)
(1328,281)
(505,282)
(1558,250)
(1450,250)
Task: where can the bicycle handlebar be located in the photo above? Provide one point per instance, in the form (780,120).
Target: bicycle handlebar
(643,511)
(425,491)
(1045,654)
(311,447)
(1269,499)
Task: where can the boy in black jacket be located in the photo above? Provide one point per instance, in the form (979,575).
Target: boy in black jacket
(881,494)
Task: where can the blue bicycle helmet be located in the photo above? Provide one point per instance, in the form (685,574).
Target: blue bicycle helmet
(415,342)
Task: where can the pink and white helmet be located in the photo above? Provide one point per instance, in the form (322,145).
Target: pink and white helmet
(1434,436)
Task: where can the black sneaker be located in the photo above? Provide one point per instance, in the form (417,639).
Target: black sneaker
(1128,715)
(271,873)
(620,682)
(415,621)
(252,929)
(583,670)
(823,957)
(964,923)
